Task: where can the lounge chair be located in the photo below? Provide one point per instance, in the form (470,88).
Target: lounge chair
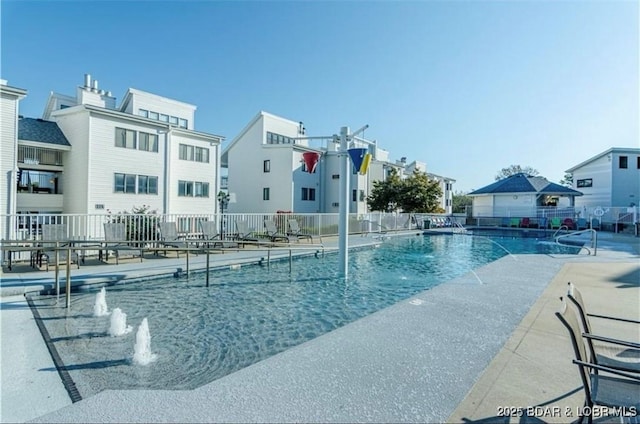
(575,297)
(244,233)
(52,233)
(273,233)
(115,235)
(595,223)
(169,236)
(581,224)
(569,223)
(514,222)
(555,223)
(212,237)
(525,223)
(296,231)
(602,385)
(505,222)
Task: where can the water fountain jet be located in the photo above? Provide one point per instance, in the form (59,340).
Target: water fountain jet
(142,350)
(100,307)
(119,325)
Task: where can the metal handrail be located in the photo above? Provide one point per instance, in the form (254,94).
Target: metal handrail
(594,239)
(560,229)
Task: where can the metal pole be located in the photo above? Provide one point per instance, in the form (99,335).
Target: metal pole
(57,272)
(290,259)
(187,259)
(343,199)
(207,266)
(68,281)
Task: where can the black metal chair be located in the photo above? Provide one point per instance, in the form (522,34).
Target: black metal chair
(603,386)
(633,348)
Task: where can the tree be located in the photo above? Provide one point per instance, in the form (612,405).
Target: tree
(417,193)
(420,194)
(567,180)
(385,194)
(516,169)
(460,202)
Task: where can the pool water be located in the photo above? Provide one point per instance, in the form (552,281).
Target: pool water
(200,333)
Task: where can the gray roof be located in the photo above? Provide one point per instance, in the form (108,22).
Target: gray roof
(30,129)
(523,183)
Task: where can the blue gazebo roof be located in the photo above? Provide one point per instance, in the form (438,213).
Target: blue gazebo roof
(523,183)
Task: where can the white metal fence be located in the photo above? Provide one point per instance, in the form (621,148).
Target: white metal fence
(143,229)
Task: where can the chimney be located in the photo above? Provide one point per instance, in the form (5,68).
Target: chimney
(95,86)
(87,81)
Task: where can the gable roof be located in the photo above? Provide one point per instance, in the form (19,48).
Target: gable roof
(523,183)
(30,129)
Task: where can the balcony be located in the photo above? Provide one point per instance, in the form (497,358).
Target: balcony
(29,155)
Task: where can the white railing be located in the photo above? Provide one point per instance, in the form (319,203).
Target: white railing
(144,227)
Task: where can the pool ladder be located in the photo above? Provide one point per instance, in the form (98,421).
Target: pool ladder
(594,238)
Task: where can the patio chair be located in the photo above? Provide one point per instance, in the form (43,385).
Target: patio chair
(115,235)
(595,224)
(569,223)
(555,223)
(543,222)
(633,348)
(244,233)
(581,224)
(514,222)
(169,236)
(52,233)
(602,385)
(296,231)
(525,223)
(212,237)
(273,233)
(505,222)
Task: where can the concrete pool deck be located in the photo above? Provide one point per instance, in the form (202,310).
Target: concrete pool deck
(498,345)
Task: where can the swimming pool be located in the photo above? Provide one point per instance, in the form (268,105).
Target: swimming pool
(200,333)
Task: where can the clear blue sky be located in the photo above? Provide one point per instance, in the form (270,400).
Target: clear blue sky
(468,87)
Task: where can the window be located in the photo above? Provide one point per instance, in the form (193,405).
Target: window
(622,162)
(186,152)
(185,188)
(164,118)
(335,176)
(148,142)
(587,182)
(312,194)
(265,193)
(182,123)
(125,138)
(124,183)
(638,165)
(354,195)
(305,193)
(144,113)
(201,189)
(173,120)
(153,115)
(147,184)
(192,153)
(266,166)
(273,138)
(202,155)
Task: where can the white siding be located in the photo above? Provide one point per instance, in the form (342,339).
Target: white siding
(151,102)
(8,138)
(625,190)
(599,171)
(187,170)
